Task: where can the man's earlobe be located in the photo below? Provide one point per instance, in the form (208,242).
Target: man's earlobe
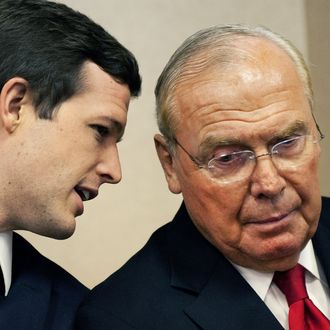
(166,160)
(12,97)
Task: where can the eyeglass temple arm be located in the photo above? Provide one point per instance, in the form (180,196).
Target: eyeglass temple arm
(322,136)
(193,159)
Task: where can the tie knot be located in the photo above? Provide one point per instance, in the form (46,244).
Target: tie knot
(292,283)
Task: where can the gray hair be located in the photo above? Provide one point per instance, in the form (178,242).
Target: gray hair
(214,45)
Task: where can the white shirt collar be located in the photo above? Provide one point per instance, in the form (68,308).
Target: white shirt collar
(261,281)
(6,253)
(310,262)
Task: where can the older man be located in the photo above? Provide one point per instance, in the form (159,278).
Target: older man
(241,145)
(65,86)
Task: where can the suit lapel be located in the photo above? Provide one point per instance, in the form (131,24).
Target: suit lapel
(192,257)
(228,302)
(29,294)
(224,300)
(27,299)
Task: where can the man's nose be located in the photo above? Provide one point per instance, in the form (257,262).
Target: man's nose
(108,167)
(266,181)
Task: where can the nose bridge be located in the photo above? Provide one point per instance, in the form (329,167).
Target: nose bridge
(266,179)
(108,167)
(270,154)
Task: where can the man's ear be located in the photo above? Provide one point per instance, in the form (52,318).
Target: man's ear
(166,160)
(12,97)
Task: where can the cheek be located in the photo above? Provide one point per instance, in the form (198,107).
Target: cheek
(308,175)
(307,186)
(311,204)
(214,209)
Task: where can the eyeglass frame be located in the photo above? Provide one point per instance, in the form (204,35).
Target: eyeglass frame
(199,164)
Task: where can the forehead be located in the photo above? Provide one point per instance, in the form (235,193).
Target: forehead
(97,81)
(100,97)
(259,90)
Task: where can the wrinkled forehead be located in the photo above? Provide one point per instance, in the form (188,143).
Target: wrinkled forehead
(243,51)
(254,65)
(260,91)
(222,54)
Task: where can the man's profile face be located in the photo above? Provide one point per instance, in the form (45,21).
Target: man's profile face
(59,163)
(262,221)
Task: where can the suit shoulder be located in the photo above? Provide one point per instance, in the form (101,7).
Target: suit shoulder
(135,288)
(326,203)
(325,212)
(150,261)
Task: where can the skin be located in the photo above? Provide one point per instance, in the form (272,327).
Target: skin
(43,161)
(265,220)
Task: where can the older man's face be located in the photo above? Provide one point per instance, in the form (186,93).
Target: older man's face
(264,220)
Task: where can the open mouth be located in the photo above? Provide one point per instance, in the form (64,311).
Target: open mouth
(85,194)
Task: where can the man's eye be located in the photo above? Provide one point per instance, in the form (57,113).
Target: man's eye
(231,160)
(290,146)
(100,130)
(226,158)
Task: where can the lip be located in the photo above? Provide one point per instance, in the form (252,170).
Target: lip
(273,223)
(79,204)
(270,220)
(81,191)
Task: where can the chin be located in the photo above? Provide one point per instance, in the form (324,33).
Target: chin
(61,235)
(280,260)
(58,232)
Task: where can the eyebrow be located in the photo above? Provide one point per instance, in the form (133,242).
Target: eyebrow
(211,142)
(295,127)
(113,126)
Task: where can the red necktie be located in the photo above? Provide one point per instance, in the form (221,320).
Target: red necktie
(303,314)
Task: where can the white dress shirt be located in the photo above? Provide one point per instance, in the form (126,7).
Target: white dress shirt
(6,252)
(316,285)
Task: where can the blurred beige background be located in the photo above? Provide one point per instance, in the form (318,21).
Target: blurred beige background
(121,219)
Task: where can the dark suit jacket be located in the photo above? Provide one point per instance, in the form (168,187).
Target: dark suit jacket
(42,295)
(179,281)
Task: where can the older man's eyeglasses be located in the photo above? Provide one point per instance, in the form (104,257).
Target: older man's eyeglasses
(229,167)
